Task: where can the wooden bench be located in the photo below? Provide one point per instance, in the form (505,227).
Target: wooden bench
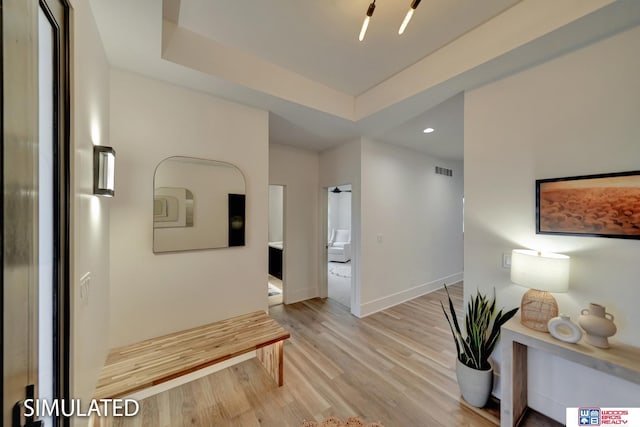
(148,363)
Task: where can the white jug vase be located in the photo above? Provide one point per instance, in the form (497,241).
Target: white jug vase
(598,324)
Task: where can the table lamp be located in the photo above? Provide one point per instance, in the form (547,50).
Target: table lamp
(542,272)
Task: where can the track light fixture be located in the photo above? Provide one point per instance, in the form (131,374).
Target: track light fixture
(407,18)
(367,18)
(372,6)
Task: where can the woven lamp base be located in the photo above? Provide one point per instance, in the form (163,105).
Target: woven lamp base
(537,308)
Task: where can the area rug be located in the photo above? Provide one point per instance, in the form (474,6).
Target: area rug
(337,422)
(340,270)
(273,290)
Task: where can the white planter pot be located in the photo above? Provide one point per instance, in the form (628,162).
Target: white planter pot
(475,385)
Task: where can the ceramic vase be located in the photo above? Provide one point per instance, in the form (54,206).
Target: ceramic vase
(475,385)
(598,324)
(564,329)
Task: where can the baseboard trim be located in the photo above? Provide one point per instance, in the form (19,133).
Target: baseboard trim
(389,301)
(157,389)
(547,406)
(297,295)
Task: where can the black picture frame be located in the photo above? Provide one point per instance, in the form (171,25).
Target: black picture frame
(602,205)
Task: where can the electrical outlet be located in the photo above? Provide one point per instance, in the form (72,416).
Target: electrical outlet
(85,287)
(379,238)
(506,260)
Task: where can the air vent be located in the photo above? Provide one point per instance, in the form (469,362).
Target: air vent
(444,171)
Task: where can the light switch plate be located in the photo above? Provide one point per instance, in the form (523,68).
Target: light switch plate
(506,260)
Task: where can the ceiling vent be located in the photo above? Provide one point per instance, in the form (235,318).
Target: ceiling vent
(444,171)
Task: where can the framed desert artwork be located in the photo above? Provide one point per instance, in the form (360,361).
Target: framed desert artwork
(605,205)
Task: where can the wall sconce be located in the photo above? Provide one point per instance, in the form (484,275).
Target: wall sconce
(104,159)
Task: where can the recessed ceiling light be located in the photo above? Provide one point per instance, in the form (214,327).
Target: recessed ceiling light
(428,130)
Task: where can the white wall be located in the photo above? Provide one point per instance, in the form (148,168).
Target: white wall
(342,165)
(418,215)
(297,170)
(89,213)
(339,209)
(411,225)
(344,209)
(574,115)
(158,294)
(276,209)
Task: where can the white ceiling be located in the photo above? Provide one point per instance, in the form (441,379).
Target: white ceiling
(301,60)
(319,38)
(445,142)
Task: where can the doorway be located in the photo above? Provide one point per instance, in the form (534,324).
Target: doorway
(339,248)
(34,210)
(275,279)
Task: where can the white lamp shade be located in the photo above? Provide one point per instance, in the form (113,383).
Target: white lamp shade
(543,271)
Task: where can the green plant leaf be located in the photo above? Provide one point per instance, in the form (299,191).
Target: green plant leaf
(482,328)
(453,312)
(500,320)
(455,339)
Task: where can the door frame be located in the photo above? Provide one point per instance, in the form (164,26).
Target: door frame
(62,203)
(2,399)
(58,14)
(56,10)
(323,290)
(284,239)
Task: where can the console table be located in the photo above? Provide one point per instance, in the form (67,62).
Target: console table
(620,360)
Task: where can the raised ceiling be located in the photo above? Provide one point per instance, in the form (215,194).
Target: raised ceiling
(318,38)
(301,59)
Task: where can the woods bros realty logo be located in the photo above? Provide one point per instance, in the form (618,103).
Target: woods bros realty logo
(603,416)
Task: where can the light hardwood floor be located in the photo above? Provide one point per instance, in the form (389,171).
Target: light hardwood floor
(395,367)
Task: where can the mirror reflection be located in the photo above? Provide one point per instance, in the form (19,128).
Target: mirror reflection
(172,207)
(197,204)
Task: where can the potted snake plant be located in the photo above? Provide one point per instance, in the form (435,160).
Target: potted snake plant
(482,330)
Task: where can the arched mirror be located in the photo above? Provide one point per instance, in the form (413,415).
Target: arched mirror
(197,204)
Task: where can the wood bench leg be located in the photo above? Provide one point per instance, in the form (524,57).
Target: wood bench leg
(272,358)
